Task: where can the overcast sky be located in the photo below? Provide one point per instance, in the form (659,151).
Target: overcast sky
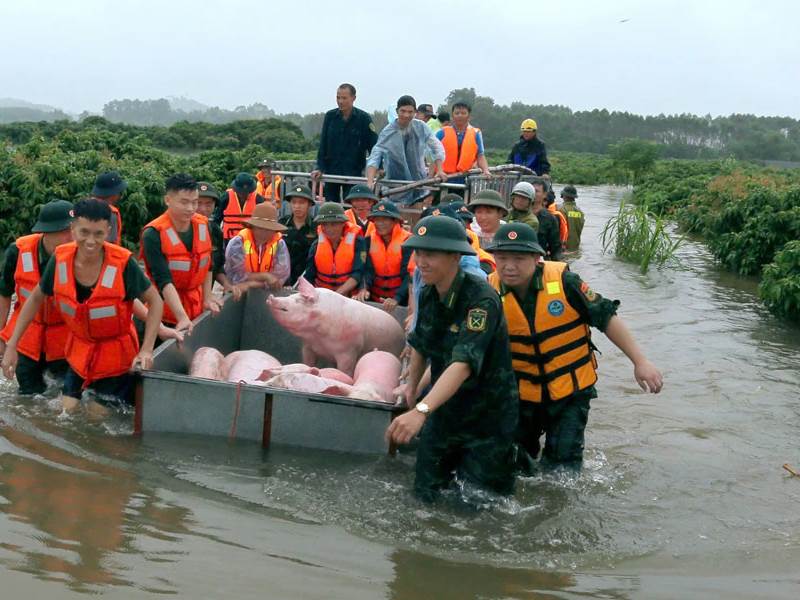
(717,57)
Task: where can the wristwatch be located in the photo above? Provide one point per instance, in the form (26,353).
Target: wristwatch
(423,408)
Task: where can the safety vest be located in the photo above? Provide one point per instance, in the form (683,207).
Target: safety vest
(118,218)
(484,257)
(188,269)
(265,188)
(235,215)
(47,333)
(102,340)
(563,226)
(252,263)
(558,353)
(334,268)
(351,216)
(387,263)
(458,159)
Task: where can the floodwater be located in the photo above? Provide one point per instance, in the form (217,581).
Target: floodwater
(682,494)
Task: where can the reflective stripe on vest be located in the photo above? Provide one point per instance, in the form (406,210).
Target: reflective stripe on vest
(25,293)
(179,265)
(102,312)
(457,158)
(27,261)
(109,275)
(66,309)
(335,267)
(558,354)
(62,273)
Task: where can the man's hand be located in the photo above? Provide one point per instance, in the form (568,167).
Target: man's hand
(442,176)
(362,295)
(405,427)
(9,363)
(648,377)
(486,173)
(213,305)
(143,361)
(2,348)
(185,326)
(546,176)
(168,333)
(389,305)
(237,291)
(316,174)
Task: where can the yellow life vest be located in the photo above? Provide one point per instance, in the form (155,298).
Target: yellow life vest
(558,353)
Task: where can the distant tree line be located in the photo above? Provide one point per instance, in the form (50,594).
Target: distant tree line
(678,136)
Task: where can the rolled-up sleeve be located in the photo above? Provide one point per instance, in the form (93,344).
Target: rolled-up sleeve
(476,334)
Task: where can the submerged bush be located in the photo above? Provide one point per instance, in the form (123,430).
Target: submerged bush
(780,284)
(639,236)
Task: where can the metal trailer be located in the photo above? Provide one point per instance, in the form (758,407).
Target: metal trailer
(168,400)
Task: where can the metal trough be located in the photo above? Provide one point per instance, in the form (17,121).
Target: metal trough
(168,400)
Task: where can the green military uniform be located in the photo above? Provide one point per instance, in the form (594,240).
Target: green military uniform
(298,239)
(523,216)
(207,190)
(575,220)
(472,433)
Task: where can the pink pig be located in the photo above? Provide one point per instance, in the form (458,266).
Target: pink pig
(335,328)
(208,363)
(377,374)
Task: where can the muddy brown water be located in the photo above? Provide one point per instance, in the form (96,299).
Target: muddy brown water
(682,494)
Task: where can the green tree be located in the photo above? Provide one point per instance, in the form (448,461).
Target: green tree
(635,156)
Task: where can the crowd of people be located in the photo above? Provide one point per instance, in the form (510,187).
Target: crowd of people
(500,351)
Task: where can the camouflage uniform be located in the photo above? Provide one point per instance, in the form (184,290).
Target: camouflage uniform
(473,432)
(563,421)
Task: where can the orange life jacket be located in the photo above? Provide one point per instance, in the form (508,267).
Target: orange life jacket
(563,230)
(334,268)
(235,215)
(459,159)
(252,263)
(47,333)
(351,216)
(118,217)
(484,257)
(558,353)
(102,340)
(188,269)
(265,188)
(387,263)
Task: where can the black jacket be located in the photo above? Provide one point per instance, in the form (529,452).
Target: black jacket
(549,238)
(532,154)
(345,145)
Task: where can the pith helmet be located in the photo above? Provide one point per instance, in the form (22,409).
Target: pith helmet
(569,191)
(244,183)
(488,198)
(515,237)
(361,191)
(331,212)
(206,190)
(385,208)
(299,191)
(54,216)
(441,233)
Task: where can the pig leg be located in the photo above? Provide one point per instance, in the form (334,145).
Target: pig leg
(346,362)
(309,356)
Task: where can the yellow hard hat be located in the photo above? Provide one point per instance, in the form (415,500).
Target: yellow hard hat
(528,125)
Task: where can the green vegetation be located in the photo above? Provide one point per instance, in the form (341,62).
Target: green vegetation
(748,215)
(639,236)
(635,157)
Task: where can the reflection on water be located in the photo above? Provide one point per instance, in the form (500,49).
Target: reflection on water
(681,495)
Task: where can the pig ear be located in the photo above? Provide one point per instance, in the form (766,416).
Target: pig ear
(307,291)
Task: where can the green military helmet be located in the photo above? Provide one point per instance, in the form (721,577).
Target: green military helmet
(54,216)
(361,191)
(515,237)
(488,198)
(450,198)
(267,163)
(244,183)
(441,233)
(569,191)
(298,190)
(205,189)
(331,212)
(385,208)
